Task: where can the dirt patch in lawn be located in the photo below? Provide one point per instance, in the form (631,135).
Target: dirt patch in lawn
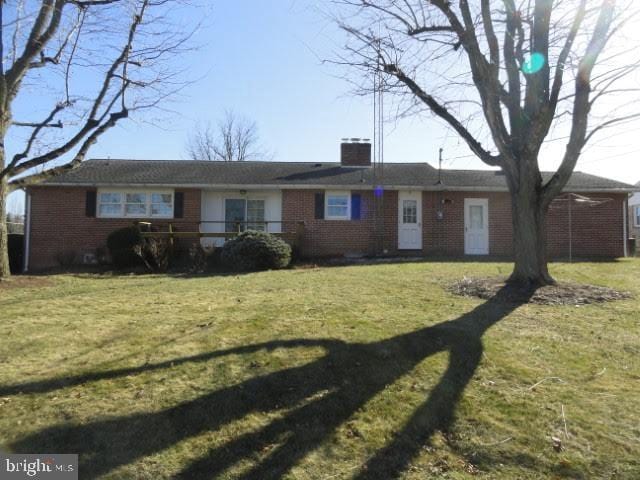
(560,294)
(24,281)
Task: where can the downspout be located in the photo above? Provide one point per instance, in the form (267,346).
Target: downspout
(27,230)
(625,213)
(570,198)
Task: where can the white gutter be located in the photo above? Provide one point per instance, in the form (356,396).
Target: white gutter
(625,235)
(27,231)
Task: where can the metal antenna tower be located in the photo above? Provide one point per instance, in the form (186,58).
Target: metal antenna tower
(378,158)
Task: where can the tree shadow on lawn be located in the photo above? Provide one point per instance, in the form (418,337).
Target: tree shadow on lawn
(319,396)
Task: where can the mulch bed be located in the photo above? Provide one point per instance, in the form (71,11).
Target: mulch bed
(560,294)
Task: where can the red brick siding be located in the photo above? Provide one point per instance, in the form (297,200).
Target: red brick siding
(597,231)
(338,237)
(446,236)
(59,225)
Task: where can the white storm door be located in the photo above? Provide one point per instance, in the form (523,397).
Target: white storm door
(409,220)
(476,226)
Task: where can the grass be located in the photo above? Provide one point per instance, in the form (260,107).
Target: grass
(326,373)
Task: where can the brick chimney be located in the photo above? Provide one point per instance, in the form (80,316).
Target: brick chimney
(355,152)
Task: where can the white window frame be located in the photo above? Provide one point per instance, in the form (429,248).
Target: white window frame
(416,211)
(146,205)
(636,215)
(150,203)
(337,193)
(123,194)
(120,204)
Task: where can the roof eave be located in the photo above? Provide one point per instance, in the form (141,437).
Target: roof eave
(278,186)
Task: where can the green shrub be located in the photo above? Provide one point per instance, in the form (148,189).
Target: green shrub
(129,249)
(203,259)
(122,245)
(253,250)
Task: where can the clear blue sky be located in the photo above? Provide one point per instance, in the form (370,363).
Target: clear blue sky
(263,59)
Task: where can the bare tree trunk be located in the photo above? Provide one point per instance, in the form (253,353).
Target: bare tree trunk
(4,234)
(5,118)
(529,238)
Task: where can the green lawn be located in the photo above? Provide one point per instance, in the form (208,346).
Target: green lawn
(322,373)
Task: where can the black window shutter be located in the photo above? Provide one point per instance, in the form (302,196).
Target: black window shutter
(319,206)
(355,206)
(90,203)
(178,205)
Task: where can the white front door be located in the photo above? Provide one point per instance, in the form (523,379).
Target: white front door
(409,220)
(476,226)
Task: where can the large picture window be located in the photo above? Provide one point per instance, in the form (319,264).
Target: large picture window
(337,206)
(637,215)
(135,204)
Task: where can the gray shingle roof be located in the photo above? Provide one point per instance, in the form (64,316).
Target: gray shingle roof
(185,173)
(496,179)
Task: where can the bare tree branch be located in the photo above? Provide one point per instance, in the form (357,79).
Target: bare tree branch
(581,104)
(610,123)
(92,125)
(443,113)
(235,138)
(472,64)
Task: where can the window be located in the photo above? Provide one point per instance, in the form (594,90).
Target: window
(476,215)
(637,215)
(255,215)
(409,211)
(161,205)
(234,214)
(136,204)
(110,204)
(337,206)
(242,214)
